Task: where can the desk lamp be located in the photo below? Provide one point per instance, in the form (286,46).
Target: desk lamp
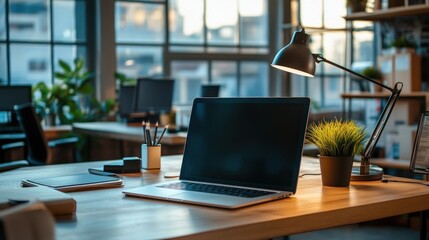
(297,58)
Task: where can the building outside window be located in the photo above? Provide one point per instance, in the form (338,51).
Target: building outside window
(34,35)
(347,44)
(196,42)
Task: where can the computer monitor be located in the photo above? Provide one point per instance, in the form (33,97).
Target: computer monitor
(210,90)
(10,96)
(126,100)
(153,95)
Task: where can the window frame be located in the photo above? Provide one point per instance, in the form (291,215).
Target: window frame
(50,42)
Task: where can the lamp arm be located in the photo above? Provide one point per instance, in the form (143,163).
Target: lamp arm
(381,123)
(319,58)
(382,120)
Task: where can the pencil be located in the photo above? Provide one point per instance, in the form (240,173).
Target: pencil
(148,140)
(162,134)
(154,135)
(144,130)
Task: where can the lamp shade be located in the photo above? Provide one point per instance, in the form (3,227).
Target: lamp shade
(296,56)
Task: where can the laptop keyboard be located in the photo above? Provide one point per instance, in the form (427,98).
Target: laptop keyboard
(216,189)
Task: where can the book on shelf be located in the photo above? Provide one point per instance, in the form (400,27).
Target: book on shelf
(58,203)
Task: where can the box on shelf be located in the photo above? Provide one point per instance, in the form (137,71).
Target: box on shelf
(408,71)
(386,65)
(402,67)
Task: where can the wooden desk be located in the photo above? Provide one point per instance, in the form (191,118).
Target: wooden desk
(126,139)
(53,132)
(108,214)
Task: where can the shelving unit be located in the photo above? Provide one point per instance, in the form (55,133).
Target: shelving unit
(411,102)
(385,14)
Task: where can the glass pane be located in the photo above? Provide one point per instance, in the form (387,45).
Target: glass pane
(186,21)
(3,65)
(363,43)
(335,11)
(316,47)
(224,73)
(30,63)
(29,20)
(188,76)
(311,13)
(222,21)
(362,24)
(334,45)
(333,88)
(139,61)
(315,91)
(68,54)
(253,22)
(2,19)
(254,79)
(139,22)
(298,85)
(75,27)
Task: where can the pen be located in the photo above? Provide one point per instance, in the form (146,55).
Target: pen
(162,134)
(154,135)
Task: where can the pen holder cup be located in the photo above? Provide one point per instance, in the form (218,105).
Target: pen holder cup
(151,157)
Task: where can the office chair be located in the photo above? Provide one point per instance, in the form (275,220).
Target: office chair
(37,148)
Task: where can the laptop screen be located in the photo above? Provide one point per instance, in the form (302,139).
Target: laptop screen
(253,142)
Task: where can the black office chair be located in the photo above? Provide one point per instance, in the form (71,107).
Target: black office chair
(37,149)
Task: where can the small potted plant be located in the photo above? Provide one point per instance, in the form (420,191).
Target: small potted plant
(402,44)
(356,5)
(338,142)
(375,74)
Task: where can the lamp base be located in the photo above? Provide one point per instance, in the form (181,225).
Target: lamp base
(375,173)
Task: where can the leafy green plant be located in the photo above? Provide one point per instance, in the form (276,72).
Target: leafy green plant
(122,79)
(372,72)
(357,5)
(336,138)
(402,42)
(71,97)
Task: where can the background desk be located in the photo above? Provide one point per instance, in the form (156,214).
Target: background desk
(115,140)
(51,132)
(107,214)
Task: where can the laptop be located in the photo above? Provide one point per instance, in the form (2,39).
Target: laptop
(238,152)
(419,156)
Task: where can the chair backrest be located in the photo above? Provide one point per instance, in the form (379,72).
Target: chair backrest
(38,152)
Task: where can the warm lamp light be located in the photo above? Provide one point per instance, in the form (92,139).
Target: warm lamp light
(297,58)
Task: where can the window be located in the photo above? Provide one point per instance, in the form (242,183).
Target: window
(34,35)
(332,37)
(196,42)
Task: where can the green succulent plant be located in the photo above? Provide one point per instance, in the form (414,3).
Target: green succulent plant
(372,72)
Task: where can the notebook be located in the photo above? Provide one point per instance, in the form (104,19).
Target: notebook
(76,182)
(239,152)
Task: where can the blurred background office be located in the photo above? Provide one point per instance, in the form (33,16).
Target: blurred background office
(228,43)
